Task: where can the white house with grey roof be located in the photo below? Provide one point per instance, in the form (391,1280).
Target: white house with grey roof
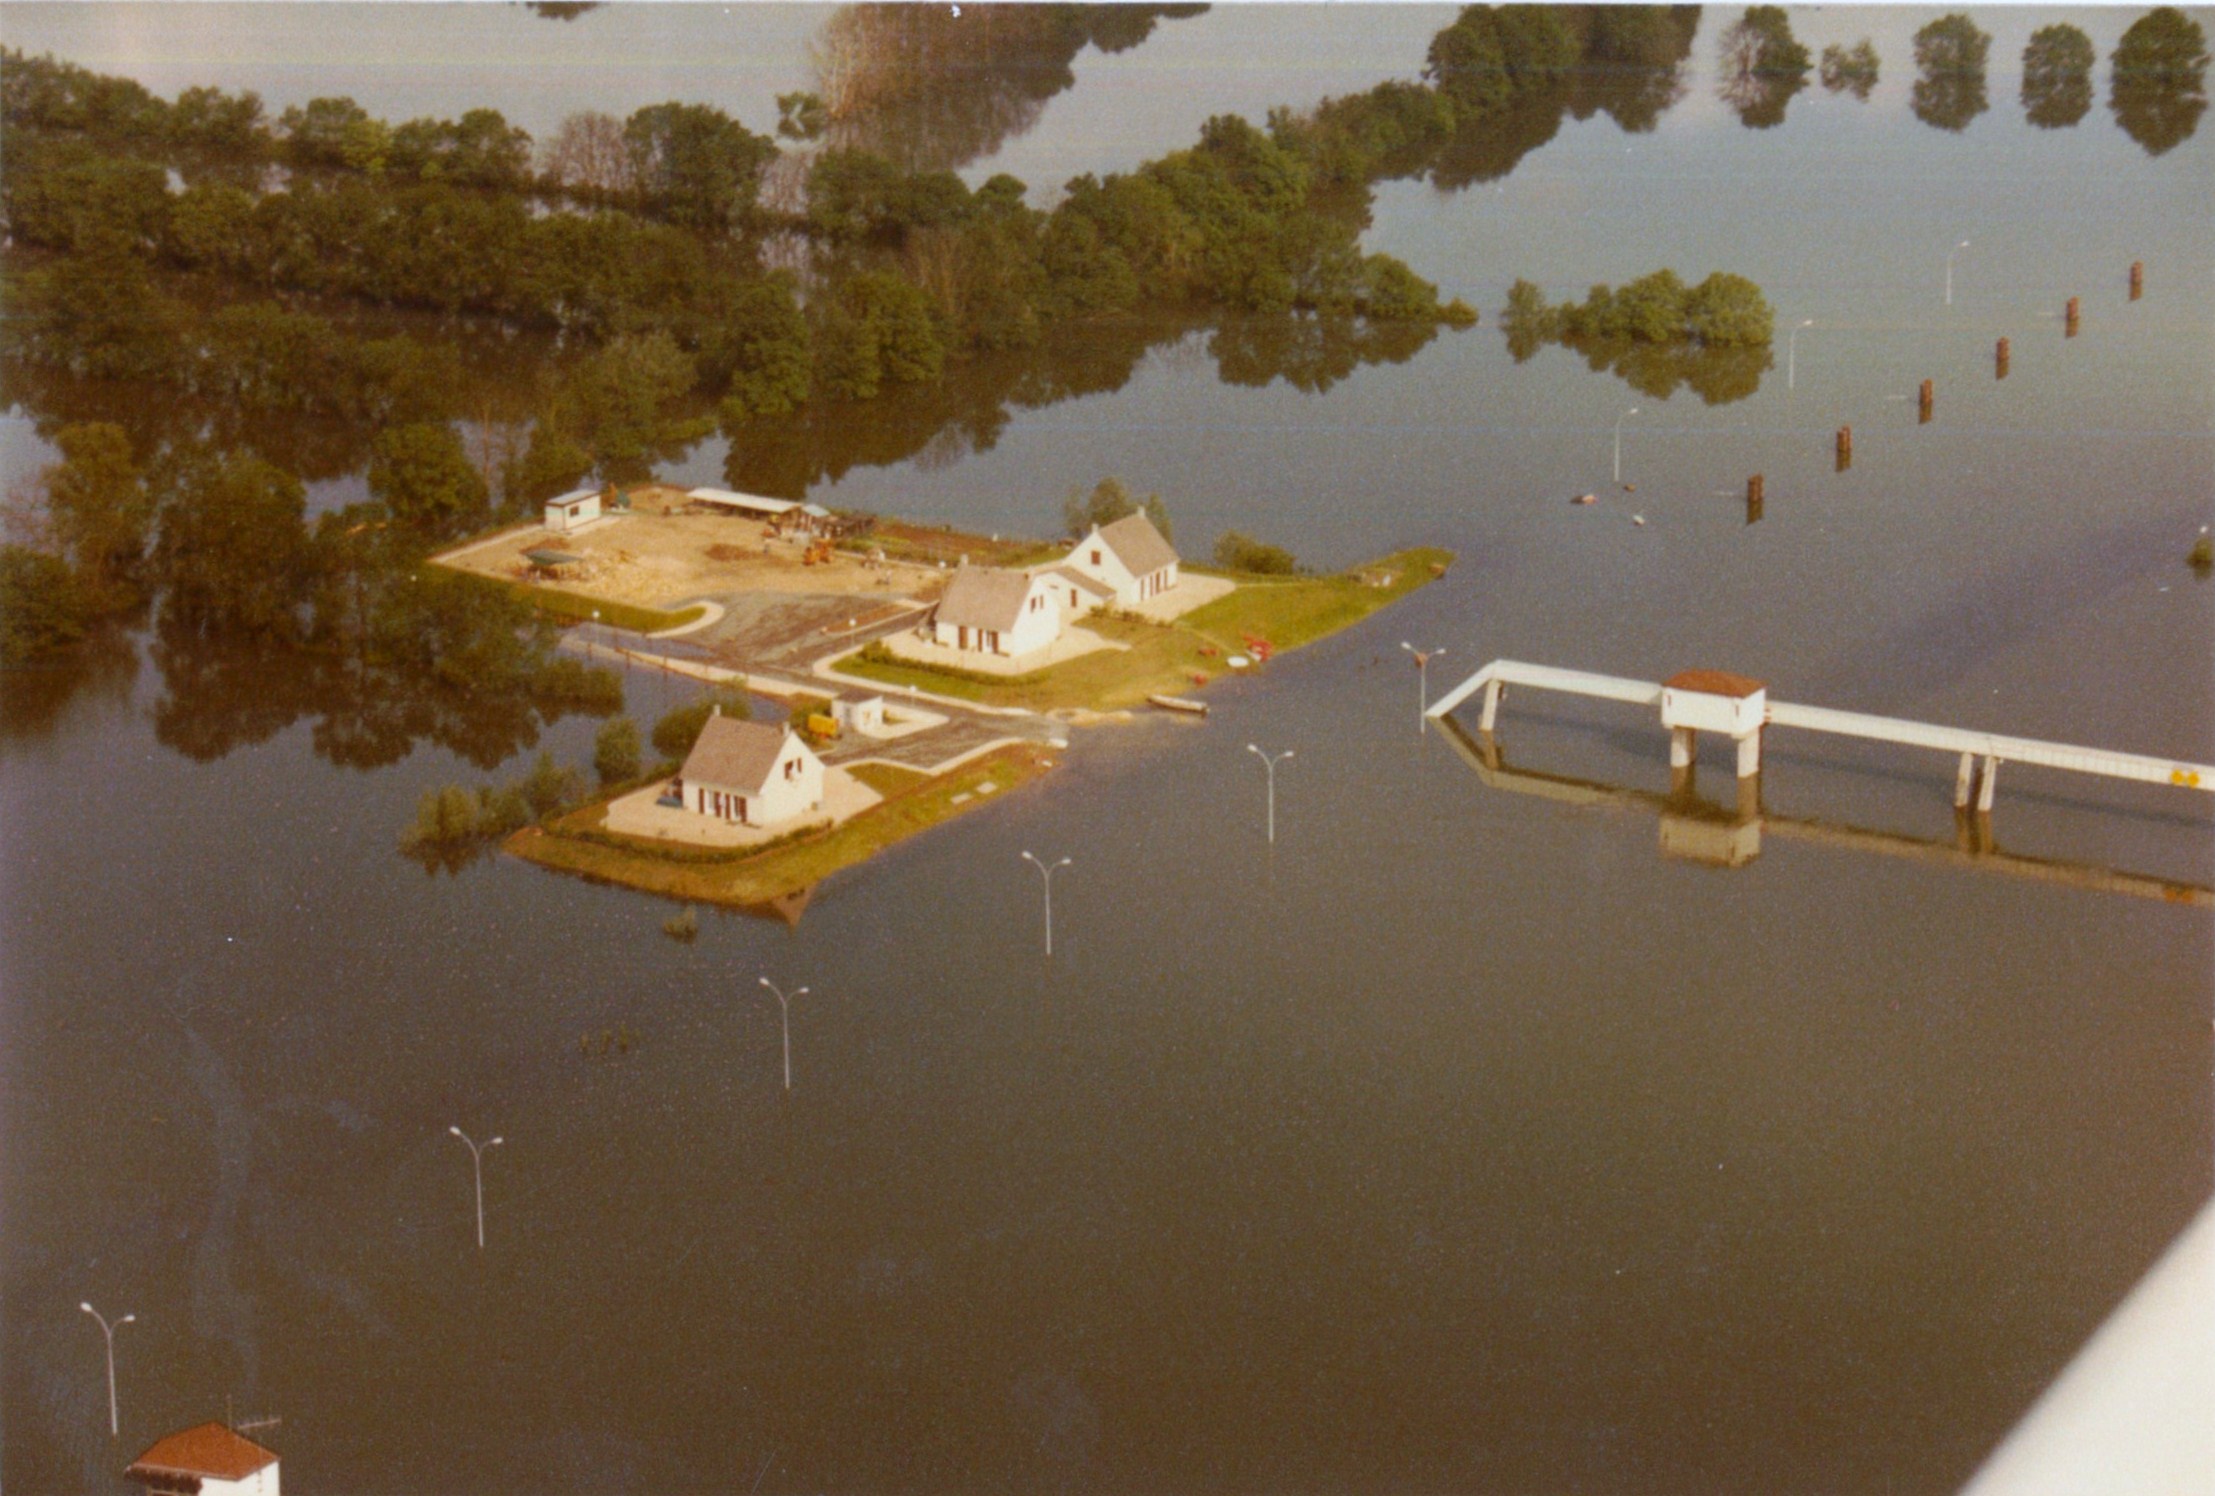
(989,610)
(1130,558)
(750,772)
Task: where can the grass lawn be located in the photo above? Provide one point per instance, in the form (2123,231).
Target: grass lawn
(1175,657)
(744,877)
(576,607)
(887,779)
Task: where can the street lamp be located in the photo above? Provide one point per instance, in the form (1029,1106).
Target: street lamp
(1047,873)
(477,1166)
(1957,249)
(1791,353)
(784,1007)
(1271,765)
(107,1331)
(1423,659)
(1619,420)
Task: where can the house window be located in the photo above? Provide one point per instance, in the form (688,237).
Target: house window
(792,768)
(1095,555)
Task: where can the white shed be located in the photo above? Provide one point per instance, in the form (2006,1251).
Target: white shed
(862,714)
(993,611)
(572,510)
(210,1460)
(754,773)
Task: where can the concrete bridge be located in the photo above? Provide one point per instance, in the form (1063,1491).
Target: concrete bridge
(1739,708)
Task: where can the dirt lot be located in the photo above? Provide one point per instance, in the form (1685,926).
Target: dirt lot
(654,558)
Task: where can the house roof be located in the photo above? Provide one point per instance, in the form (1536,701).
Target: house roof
(210,1451)
(572,500)
(1092,585)
(985,597)
(755,503)
(735,753)
(1714,683)
(1138,544)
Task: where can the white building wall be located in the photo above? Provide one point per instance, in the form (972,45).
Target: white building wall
(262,1482)
(1097,560)
(779,800)
(1035,626)
(563,517)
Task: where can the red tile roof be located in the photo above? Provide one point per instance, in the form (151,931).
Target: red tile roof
(210,1451)
(1714,683)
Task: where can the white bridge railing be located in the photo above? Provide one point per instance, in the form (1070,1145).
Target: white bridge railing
(1992,748)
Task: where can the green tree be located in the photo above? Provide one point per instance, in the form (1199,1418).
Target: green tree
(1950,51)
(615,750)
(2057,76)
(878,329)
(1850,69)
(626,404)
(680,728)
(42,609)
(760,351)
(550,464)
(1728,311)
(423,476)
(694,165)
(102,509)
(232,550)
(2158,80)
(550,785)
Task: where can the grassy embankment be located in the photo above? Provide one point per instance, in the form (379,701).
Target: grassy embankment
(741,877)
(1174,657)
(576,607)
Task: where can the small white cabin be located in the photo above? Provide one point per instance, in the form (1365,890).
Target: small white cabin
(864,714)
(209,1460)
(988,610)
(754,773)
(1714,701)
(572,510)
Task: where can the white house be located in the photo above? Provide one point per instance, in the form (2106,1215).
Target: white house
(572,510)
(992,611)
(210,1460)
(1077,593)
(750,772)
(1129,557)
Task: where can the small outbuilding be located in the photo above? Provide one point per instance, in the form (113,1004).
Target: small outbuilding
(989,610)
(572,510)
(785,514)
(862,714)
(1131,558)
(754,773)
(209,1460)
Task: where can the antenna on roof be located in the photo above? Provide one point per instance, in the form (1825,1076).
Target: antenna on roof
(256,1423)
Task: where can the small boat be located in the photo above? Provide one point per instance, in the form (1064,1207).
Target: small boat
(1586,498)
(1179,704)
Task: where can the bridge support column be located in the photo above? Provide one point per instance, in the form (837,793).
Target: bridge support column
(1990,780)
(1493,691)
(1684,748)
(1965,781)
(1749,754)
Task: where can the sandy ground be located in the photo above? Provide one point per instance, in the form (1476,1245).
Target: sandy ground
(1189,593)
(654,559)
(640,813)
(1072,643)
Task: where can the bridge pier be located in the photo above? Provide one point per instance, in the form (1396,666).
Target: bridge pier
(1749,755)
(1684,748)
(1965,781)
(1493,691)
(1987,783)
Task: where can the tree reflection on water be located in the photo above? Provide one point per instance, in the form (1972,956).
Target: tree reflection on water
(2159,80)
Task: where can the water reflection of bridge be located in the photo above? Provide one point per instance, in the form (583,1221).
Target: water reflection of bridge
(1700,830)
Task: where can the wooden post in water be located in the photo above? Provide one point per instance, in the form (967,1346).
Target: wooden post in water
(1753,499)
(2071,329)
(2137,279)
(1845,448)
(1999,360)
(1928,400)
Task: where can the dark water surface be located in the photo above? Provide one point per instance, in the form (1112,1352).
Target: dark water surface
(1459,1142)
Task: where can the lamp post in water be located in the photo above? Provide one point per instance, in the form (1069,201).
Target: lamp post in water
(107,1331)
(1047,874)
(1619,420)
(1791,353)
(477,1166)
(784,1009)
(1271,765)
(1423,658)
(1957,249)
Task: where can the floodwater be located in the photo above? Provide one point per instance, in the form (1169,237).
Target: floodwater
(1461,1140)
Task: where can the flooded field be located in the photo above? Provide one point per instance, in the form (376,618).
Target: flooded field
(1459,1139)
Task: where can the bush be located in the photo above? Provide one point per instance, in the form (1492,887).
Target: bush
(501,811)
(591,689)
(676,732)
(549,786)
(615,752)
(443,818)
(1236,552)
(684,926)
